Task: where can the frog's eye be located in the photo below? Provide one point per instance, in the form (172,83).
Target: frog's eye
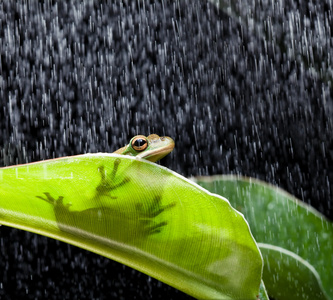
(139,143)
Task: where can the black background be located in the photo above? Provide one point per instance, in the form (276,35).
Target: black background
(244,91)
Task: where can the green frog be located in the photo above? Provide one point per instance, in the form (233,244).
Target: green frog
(152,147)
(114,220)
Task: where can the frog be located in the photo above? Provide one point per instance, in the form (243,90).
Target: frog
(152,147)
(92,221)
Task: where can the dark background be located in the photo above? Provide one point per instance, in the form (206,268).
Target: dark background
(242,90)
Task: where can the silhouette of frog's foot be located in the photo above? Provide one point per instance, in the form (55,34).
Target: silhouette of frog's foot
(147,215)
(53,201)
(108,182)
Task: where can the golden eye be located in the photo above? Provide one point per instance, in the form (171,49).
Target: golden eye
(139,143)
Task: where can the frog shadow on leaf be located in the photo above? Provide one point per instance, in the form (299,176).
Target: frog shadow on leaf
(89,219)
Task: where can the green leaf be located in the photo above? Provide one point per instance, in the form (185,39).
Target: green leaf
(140,214)
(279,219)
(262,292)
(289,270)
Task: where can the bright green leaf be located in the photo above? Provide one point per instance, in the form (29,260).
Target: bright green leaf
(262,292)
(279,219)
(140,214)
(289,272)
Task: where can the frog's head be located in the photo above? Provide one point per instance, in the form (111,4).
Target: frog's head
(152,147)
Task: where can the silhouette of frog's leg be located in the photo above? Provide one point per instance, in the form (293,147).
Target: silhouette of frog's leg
(54,202)
(65,219)
(156,228)
(154,209)
(107,182)
(106,185)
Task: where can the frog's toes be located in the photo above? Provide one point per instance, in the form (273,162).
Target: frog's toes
(115,168)
(151,227)
(101,170)
(125,180)
(161,208)
(170,205)
(107,182)
(148,214)
(117,163)
(50,199)
(156,207)
(156,228)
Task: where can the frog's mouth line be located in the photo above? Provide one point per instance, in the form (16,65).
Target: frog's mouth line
(157,154)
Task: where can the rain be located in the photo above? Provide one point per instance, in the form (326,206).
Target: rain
(243,87)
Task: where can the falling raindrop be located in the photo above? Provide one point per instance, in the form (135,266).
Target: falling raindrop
(244,89)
